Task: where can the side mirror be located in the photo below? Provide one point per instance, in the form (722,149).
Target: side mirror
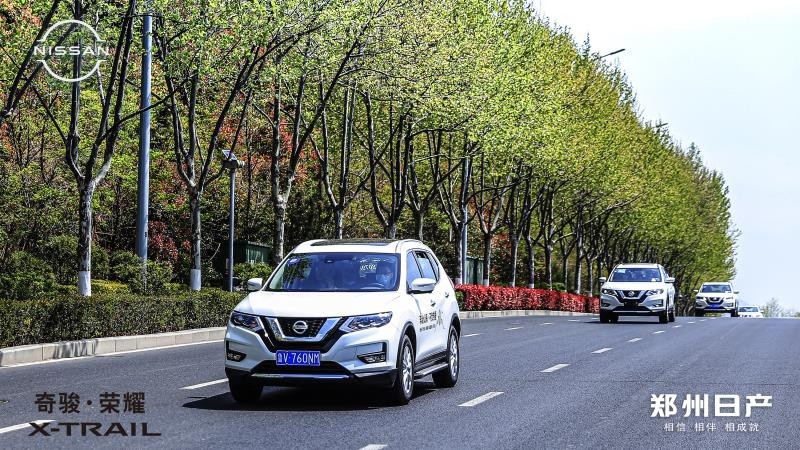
(422,286)
(669,280)
(602,280)
(695,291)
(254,284)
(736,292)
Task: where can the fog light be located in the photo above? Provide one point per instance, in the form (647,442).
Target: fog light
(233,355)
(658,304)
(372,358)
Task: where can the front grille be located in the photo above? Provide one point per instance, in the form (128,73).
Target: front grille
(323,345)
(629,294)
(715,300)
(325,367)
(313,326)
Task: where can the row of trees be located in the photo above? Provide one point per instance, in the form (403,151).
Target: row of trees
(392,118)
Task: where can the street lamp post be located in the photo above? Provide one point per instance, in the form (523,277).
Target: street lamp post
(611,53)
(231,163)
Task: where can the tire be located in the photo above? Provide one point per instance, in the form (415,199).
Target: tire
(614,318)
(735,312)
(671,314)
(448,377)
(698,313)
(604,317)
(663,317)
(403,388)
(244,392)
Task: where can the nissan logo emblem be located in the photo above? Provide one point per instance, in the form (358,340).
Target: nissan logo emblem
(300,327)
(630,293)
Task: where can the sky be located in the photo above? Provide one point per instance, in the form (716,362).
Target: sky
(724,74)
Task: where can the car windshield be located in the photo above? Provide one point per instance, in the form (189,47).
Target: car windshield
(748,309)
(635,274)
(716,288)
(332,272)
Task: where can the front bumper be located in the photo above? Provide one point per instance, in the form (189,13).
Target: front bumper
(649,306)
(339,362)
(725,307)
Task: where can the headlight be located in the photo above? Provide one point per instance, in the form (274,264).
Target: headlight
(245,321)
(607,291)
(699,299)
(655,292)
(369,321)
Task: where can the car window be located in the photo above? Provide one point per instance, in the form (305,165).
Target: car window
(716,288)
(636,274)
(412,269)
(337,271)
(428,265)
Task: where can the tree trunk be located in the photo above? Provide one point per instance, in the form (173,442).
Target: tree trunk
(338,220)
(278,232)
(85,239)
(512,281)
(590,276)
(195,273)
(530,262)
(548,264)
(487,258)
(419,222)
(461,270)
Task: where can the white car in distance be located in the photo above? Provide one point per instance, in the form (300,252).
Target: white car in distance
(750,311)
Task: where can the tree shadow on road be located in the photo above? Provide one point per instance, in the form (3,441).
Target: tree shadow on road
(307,399)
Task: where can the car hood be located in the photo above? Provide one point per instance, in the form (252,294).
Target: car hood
(316,304)
(635,286)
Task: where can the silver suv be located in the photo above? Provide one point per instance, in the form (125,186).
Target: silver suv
(717,296)
(637,290)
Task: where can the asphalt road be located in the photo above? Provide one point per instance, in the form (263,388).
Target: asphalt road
(532,382)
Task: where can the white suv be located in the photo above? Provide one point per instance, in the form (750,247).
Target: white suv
(718,297)
(637,290)
(376,312)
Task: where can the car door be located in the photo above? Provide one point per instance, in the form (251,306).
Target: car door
(430,269)
(425,305)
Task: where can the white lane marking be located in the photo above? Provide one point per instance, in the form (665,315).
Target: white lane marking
(77,358)
(573,320)
(702,320)
(657,332)
(373,447)
(554,368)
(635,340)
(198,386)
(481,399)
(689,322)
(603,350)
(676,326)
(22,426)
(512,328)
(713,318)
(473,334)
(546,323)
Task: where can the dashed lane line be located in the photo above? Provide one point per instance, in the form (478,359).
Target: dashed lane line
(373,447)
(658,332)
(481,399)
(634,340)
(512,328)
(554,368)
(202,385)
(22,426)
(473,334)
(603,350)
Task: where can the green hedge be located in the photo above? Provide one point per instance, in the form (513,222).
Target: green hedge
(71,317)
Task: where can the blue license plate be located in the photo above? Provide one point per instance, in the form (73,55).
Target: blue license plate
(297,358)
(714,306)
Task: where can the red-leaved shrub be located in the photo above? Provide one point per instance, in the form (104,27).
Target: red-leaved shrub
(483,298)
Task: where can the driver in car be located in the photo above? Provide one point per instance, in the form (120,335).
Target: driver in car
(385,275)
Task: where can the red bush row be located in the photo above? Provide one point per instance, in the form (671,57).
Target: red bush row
(482,298)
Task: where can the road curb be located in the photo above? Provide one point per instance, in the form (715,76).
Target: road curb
(26,354)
